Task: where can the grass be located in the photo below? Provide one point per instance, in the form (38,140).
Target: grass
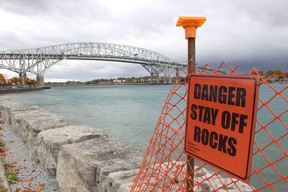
(11,174)
(12,178)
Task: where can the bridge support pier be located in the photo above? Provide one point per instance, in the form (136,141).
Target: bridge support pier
(155,78)
(167,76)
(22,76)
(40,81)
(169,79)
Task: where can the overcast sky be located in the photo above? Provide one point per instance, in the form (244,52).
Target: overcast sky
(251,33)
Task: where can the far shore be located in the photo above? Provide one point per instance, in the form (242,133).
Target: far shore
(19,90)
(9,90)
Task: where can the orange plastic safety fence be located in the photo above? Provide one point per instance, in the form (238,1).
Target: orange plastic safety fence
(164,167)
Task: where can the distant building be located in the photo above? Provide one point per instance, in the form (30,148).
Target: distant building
(119,81)
(283,80)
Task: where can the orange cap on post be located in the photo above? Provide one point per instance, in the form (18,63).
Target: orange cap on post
(190,24)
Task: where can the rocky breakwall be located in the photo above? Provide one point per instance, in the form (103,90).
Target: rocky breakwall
(82,158)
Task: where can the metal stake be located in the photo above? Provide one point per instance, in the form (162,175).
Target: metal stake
(190,25)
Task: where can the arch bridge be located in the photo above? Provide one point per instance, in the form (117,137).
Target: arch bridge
(37,61)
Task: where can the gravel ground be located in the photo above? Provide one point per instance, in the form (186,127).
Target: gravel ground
(32,176)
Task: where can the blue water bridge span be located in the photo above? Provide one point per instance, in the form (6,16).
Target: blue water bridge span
(38,60)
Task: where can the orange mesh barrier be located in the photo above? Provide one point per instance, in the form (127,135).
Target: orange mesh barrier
(164,167)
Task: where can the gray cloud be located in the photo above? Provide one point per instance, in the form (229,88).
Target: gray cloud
(85,70)
(267,12)
(249,33)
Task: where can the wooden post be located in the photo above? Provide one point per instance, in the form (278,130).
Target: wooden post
(190,24)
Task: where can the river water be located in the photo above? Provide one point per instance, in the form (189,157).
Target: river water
(130,112)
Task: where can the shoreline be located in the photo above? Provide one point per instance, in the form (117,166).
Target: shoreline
(4,91)
(19,90)
(80,158)
(112,84)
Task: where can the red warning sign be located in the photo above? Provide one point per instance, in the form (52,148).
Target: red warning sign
(221,117)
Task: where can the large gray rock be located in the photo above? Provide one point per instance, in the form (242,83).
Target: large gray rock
(7,107)
(85,166)
(28,124)
(18,117)
(48,142)
(120,181)
(38,125)
(22,119)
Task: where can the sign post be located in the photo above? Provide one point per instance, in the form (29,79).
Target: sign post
(221,118)
(190,24)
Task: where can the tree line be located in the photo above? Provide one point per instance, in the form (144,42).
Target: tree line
(16,81)
(277,74)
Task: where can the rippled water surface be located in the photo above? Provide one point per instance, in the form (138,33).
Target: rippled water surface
(128,113)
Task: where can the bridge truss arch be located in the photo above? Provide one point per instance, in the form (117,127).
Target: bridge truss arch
(37,61)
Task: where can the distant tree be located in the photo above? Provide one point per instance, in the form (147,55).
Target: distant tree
(31,82)
(15,80)
(281,76)
(130,79)
(1,76)
(261,73)
(21,81)
(2,80)
(269,73)
(278,74)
